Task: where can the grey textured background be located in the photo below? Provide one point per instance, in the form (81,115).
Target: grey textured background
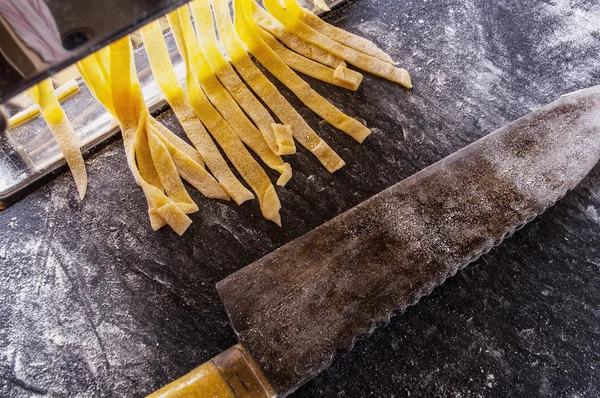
(92,303)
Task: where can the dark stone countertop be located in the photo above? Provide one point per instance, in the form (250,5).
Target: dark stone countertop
(93,303)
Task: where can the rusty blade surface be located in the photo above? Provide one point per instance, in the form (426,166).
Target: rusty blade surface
(298,306)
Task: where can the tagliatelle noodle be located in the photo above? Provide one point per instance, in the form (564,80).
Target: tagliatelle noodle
(206,35)
(267,91)
(309,50)
(187,167)
(309,67)
(164,73)
(362,61)
(346,38)
(248,32)
(226,105)
(222,132)
(62,131)
(121,95)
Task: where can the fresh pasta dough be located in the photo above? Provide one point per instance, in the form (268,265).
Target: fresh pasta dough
(249,32)
(348,39)
(62,130)
(228,107)
(354,57)
(221,130)
(309,50)
(156,158)
(162,69)
(223,102)
(267,91)
(232,82)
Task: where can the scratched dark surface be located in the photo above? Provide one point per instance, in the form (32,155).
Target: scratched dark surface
(92,303)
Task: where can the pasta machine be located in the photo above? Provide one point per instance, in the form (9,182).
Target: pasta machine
(44,38)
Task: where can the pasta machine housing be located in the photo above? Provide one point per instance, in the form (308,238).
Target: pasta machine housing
(83,26)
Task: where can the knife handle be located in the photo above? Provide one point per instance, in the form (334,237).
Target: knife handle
(231,374)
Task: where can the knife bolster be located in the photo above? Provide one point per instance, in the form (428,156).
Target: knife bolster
(231,374)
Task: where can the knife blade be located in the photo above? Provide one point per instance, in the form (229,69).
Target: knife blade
(297,307)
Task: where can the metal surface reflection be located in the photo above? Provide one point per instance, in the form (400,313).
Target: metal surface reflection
(40,38)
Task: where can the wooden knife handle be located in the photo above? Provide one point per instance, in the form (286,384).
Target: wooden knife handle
(231,374)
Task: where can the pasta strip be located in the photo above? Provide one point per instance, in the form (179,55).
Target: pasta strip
(102,58)
(96,82)
(307,66)
(248,31)
(309,50)
(348,39)
(181,145)
(170,157)
(133,115)
(147,156)
(187,167)
(165,148)
(146,175)
(267,91)
(284,138)
(168,174)
(63,92)
(225,104)
(162,69)
(145,164)
(233,147)
(229,78)
(62,130)
(365,62)
(161,209)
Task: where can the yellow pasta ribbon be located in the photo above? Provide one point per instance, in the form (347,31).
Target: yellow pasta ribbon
(267,91)
(157,157)
(231,81)
(62,130)
(362,61)
(162,68)
(63,92)
(351,80)
(249,33)
(309,50)
(97,82)
(226,105)
(346,38)
(222,132)
(133,118)
(187,166)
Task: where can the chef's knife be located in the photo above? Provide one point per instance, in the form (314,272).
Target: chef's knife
(295,308)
